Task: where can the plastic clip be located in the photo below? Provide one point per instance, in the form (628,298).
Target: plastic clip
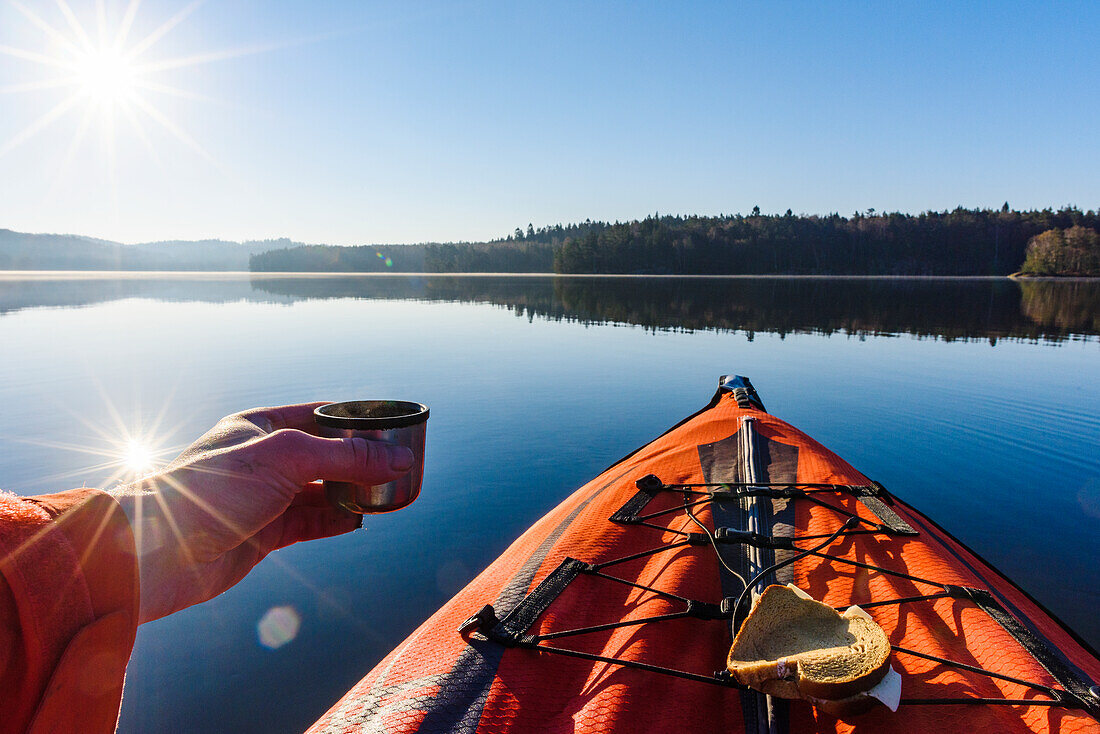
(729,535)
(484,619)
(705,610)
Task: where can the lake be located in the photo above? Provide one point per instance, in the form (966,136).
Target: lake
(977,401)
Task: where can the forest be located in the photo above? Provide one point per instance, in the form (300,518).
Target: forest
(957,242)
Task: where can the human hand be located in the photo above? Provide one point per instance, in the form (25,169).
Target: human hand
(245,488)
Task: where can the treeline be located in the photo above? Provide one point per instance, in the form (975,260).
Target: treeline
(523,251)
(554,235)
(1074,251)
(338,259)
(528,250)
(958,242)
(490,257)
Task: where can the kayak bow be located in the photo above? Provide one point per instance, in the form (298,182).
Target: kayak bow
(616,610)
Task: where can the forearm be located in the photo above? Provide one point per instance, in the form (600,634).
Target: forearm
(140,509)
(165,568)
(68,595)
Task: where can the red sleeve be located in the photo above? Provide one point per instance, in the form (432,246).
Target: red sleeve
(68,611)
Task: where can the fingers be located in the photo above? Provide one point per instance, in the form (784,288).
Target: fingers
(311,523)
(308,458)
(294,525)
(299,416)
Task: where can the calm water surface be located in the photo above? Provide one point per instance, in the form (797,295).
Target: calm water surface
(976,401)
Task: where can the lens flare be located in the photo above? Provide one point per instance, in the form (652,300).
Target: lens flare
(278,626)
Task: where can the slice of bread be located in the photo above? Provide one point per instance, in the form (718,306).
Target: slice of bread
(791,646)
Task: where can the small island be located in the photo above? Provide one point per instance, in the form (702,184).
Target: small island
(1070,252)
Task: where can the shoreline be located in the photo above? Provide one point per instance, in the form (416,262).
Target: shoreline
(9,275)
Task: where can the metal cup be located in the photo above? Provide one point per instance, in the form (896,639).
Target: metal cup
(392,421)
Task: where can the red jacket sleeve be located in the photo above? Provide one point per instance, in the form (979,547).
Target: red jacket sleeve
(68,611)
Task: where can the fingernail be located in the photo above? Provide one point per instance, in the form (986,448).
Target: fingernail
(401,459)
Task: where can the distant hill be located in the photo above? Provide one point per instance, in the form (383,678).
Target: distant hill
(22,251)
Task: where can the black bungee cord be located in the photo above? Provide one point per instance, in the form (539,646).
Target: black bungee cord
(850,523)
(714,544)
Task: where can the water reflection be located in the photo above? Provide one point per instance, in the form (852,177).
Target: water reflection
(1072,306)
(74,290)
(1046,310)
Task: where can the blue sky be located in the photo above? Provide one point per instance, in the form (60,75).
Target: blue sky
(355,122)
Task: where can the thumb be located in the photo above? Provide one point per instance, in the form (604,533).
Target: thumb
(360,461)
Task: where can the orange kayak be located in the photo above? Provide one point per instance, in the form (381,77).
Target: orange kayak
(615,611)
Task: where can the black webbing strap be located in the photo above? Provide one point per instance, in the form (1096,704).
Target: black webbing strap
(628,513)
(1077,693)
(513,628)
(876,489)
(889,518)
(877,499)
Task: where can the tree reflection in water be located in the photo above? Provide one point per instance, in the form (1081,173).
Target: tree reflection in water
(948,309)
(1072,306)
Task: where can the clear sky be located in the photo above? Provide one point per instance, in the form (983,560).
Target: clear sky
(356,122)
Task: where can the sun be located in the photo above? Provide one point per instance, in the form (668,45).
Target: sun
(106,76)
(138,457)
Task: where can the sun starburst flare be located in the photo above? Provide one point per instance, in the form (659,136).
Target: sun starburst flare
(104,72)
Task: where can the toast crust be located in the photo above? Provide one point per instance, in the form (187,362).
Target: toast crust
(846,708)
(791,646)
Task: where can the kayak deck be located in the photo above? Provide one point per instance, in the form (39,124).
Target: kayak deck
(616,610)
